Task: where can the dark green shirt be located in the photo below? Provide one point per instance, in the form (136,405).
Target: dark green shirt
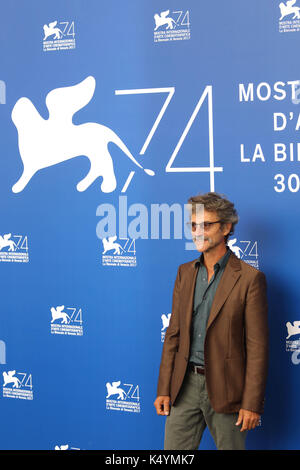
(203,299)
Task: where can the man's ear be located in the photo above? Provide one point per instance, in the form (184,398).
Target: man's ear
(226,228)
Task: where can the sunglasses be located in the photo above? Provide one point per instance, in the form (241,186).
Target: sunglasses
(202,225)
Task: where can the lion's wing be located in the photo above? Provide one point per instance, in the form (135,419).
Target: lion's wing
(64,102)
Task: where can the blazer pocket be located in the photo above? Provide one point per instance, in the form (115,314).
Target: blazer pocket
(234,379)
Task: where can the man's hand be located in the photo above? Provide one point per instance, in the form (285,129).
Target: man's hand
(249,420)
(162,405)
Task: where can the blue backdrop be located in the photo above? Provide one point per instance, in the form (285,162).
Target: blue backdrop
(205,96)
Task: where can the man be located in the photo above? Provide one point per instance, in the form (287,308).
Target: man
(214,361)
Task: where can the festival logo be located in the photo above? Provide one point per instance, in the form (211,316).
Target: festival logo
(14,248)
(39,137)
(289,20)
(66,321)
(17,385)
(118,253)
(59,36)
(125,397)
(246,250)
(174,26)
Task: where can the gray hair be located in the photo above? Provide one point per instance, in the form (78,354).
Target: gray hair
(214,202)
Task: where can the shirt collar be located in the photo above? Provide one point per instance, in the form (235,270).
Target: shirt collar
(219,264)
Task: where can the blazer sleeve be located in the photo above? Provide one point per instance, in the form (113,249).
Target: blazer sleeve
(171,343)
(256,343)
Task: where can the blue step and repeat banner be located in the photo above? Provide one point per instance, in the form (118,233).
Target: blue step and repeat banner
(112,114)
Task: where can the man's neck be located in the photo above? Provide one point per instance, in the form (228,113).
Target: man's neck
(211,257)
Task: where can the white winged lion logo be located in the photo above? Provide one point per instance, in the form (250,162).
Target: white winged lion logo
(5,241)
(46,142)
(288,8)
(58,314)
(109,244)
(162,19)
(114,389)
(50,30)
(9,377)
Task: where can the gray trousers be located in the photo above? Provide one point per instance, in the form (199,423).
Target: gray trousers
(191,414)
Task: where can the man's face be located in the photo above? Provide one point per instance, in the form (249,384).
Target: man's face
(209,237)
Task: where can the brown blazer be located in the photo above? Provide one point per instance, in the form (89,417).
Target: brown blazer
(236,342)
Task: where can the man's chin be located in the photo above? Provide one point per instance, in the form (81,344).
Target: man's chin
(200,245)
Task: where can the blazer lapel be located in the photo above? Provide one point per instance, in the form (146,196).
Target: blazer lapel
(230,276)
(190,291)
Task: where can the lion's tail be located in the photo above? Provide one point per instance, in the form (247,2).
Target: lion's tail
(116,140)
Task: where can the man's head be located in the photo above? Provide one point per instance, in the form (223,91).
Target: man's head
(220,218)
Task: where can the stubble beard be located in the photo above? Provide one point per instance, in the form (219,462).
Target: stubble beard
(201,240)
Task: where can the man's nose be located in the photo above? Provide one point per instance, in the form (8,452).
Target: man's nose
(199,231)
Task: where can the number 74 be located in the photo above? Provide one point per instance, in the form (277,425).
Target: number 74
(207,94)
